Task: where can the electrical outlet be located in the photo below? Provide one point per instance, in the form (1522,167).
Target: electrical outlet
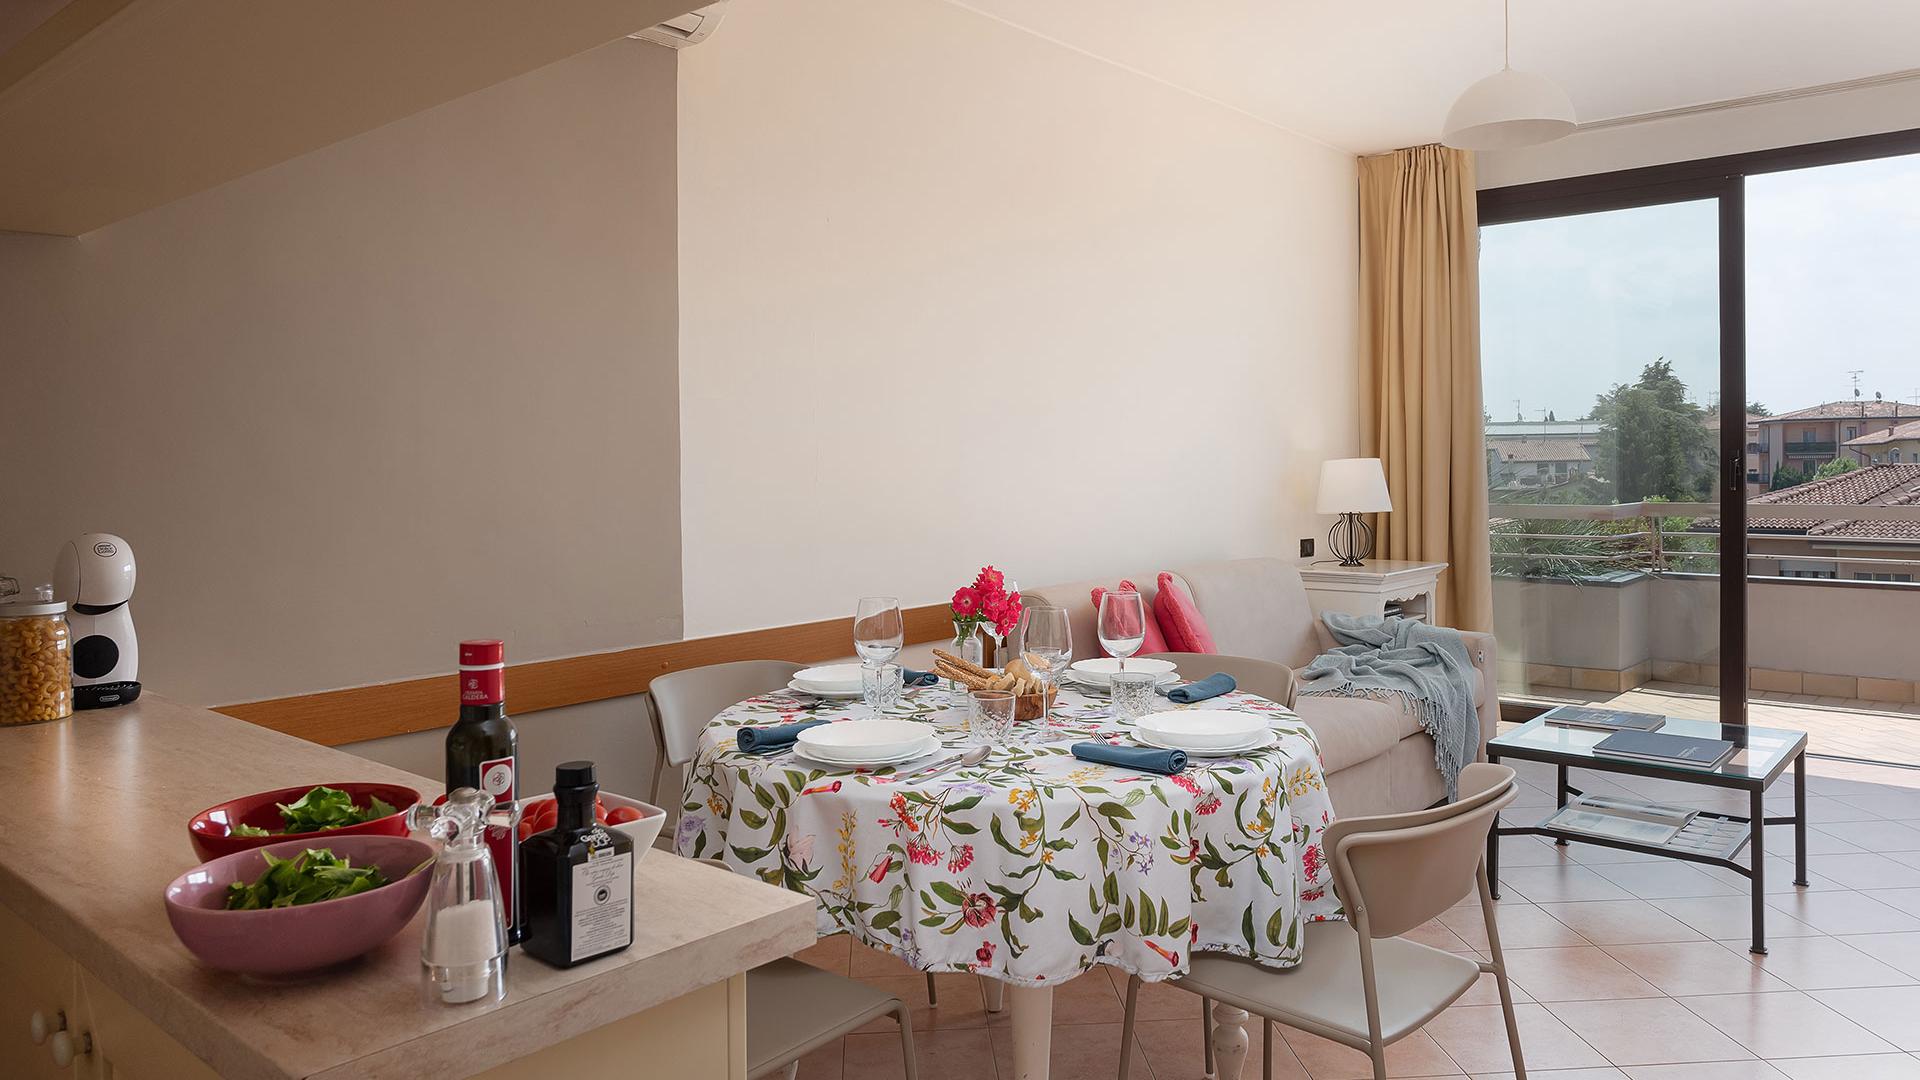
(1306,548)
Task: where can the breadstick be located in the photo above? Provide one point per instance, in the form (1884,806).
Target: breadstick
(963,665)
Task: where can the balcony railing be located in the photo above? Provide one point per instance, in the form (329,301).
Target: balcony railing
(1667,537)
(1810,449)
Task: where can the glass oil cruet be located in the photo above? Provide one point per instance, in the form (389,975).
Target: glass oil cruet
(465,948)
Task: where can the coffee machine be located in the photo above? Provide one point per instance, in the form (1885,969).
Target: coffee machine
(94,575)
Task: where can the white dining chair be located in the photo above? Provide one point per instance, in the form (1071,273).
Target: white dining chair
(1358,982)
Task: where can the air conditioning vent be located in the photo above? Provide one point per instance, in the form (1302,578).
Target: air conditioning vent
(684,30)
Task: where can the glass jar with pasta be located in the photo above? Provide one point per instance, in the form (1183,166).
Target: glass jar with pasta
(36,662)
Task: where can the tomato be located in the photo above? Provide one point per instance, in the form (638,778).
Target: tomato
(600,814)
(526,830)
(620,815)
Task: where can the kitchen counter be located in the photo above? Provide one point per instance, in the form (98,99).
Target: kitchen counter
(95,827)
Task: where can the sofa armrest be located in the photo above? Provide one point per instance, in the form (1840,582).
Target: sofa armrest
(1323,635)
(1481,647)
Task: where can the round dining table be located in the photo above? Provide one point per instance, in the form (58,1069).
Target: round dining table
(1033,865)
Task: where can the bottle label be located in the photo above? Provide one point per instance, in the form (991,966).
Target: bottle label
(483,685)
(496,779)
(602,903)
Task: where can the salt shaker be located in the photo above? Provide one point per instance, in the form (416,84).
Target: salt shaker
(465,948)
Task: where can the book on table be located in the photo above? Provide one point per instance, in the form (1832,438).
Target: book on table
(1622,818)
(1580,716)
(1658,748)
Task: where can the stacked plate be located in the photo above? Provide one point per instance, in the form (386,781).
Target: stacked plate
(1098,673)
(831,681)
(866,743)
(1205,732)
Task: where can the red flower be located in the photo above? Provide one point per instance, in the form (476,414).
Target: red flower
(880,868)
(1009,615)
(1170,957)
(1208,805)
(984,954)
(898,804)
(978,910)
(1310,895)
(990,581)
(1193,927)
(960,858)
(1185,782)
(919,851)
(1311,862)
(966,602)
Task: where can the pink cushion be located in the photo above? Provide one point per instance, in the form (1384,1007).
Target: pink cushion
(1182,624)
(1156,641)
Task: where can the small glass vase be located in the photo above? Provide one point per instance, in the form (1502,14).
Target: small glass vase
(967,646)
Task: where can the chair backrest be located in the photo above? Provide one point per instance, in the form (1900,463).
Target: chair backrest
(1255,607)
(1396,871)
(1264,677)
(684,701)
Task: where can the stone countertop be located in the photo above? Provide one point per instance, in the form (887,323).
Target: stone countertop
(96,826)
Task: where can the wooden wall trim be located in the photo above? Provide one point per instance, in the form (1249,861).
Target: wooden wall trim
(334,717)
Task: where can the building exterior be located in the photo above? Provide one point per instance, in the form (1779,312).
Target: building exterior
(1890,447)
(1840,548)
(1806,439)
(1754,484)
(1526,456)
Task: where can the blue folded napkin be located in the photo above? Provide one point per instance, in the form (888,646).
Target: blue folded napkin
(1201,689)
(911,677)
(778,737)
(1143,758)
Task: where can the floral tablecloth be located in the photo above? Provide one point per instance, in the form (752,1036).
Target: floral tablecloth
(1033,866)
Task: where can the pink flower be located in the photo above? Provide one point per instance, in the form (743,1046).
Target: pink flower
(1186,782)
(919,851)
(1009,615)
(1208,805)
(880,868)
(1312,862)
(966,602)
(1310,895)
(984,954)
(978,910)
(990,581)
(960,858)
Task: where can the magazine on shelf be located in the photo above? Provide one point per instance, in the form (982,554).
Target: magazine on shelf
(1581,716)
(1656,748)
(1619,818)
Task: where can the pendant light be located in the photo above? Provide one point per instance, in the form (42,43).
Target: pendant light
(1508,109)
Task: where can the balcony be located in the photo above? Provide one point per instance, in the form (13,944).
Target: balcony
(1810,449)
(1608,603)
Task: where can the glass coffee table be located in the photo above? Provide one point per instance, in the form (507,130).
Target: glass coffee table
(1760,756)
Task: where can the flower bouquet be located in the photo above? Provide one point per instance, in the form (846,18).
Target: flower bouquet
(986,605)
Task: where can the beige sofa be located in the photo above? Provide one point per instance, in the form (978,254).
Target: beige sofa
(1378,760)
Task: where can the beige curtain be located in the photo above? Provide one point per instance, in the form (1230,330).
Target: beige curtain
(1420,340)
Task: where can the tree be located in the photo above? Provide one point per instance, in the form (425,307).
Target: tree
(1653,441)
(1787,476)
(1835,468)
(1758,409)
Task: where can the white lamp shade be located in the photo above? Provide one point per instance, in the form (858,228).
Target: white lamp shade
(1353,485)
(1506,110)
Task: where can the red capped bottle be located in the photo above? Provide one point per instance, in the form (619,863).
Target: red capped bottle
(483,752)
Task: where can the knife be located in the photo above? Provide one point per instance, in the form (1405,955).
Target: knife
(946,764)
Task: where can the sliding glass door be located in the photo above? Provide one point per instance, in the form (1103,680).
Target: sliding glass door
(1703,440)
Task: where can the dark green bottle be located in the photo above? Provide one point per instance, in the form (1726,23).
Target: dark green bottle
(576,879)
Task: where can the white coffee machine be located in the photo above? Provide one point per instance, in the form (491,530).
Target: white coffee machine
(94,575)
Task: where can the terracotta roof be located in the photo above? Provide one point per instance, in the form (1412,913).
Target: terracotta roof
(1566,448)
(1910,430)
(1874,485)
(1855,409)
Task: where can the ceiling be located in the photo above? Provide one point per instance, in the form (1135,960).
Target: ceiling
(1379,74)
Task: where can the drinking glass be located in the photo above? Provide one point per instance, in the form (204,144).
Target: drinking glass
(1048,637)
(992,715)
(1133,694)
(882,686)
(1122,625)
(879,631)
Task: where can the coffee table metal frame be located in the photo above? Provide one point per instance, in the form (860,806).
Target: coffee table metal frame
(1511,746)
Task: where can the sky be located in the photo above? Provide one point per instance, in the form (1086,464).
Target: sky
(1571,306)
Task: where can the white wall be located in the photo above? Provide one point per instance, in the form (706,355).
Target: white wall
(953,294)
(414,387)
(1794,122)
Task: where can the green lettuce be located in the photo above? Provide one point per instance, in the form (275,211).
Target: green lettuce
(314,875)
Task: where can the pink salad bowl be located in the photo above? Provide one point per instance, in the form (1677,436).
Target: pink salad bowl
(211,830)
(283,941)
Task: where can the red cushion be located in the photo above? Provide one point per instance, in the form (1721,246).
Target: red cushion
(1156,641)
(1182,624)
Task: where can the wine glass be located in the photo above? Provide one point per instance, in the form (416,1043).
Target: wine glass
(1048,637)
(1123,624)
(879,632)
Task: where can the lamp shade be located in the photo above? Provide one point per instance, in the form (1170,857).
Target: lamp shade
(1508,109)
(1353,485)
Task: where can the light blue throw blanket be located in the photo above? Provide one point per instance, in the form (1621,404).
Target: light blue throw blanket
(1427,667)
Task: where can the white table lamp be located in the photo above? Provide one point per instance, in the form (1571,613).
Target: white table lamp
(1351,487)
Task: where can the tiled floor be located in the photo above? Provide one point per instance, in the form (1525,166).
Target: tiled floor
(1841,727)
(1625,967)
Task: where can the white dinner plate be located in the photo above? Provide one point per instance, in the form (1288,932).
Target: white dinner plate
(863,742)
(1100,669)
(1104,683)
(829,679)
(927,746)
(1203,729)
(1265,739)
(829,695)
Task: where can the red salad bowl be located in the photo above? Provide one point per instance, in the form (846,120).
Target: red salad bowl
(211,830)
(290,940)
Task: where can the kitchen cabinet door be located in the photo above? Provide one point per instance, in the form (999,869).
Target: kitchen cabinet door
(128,1046)
(36,980)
